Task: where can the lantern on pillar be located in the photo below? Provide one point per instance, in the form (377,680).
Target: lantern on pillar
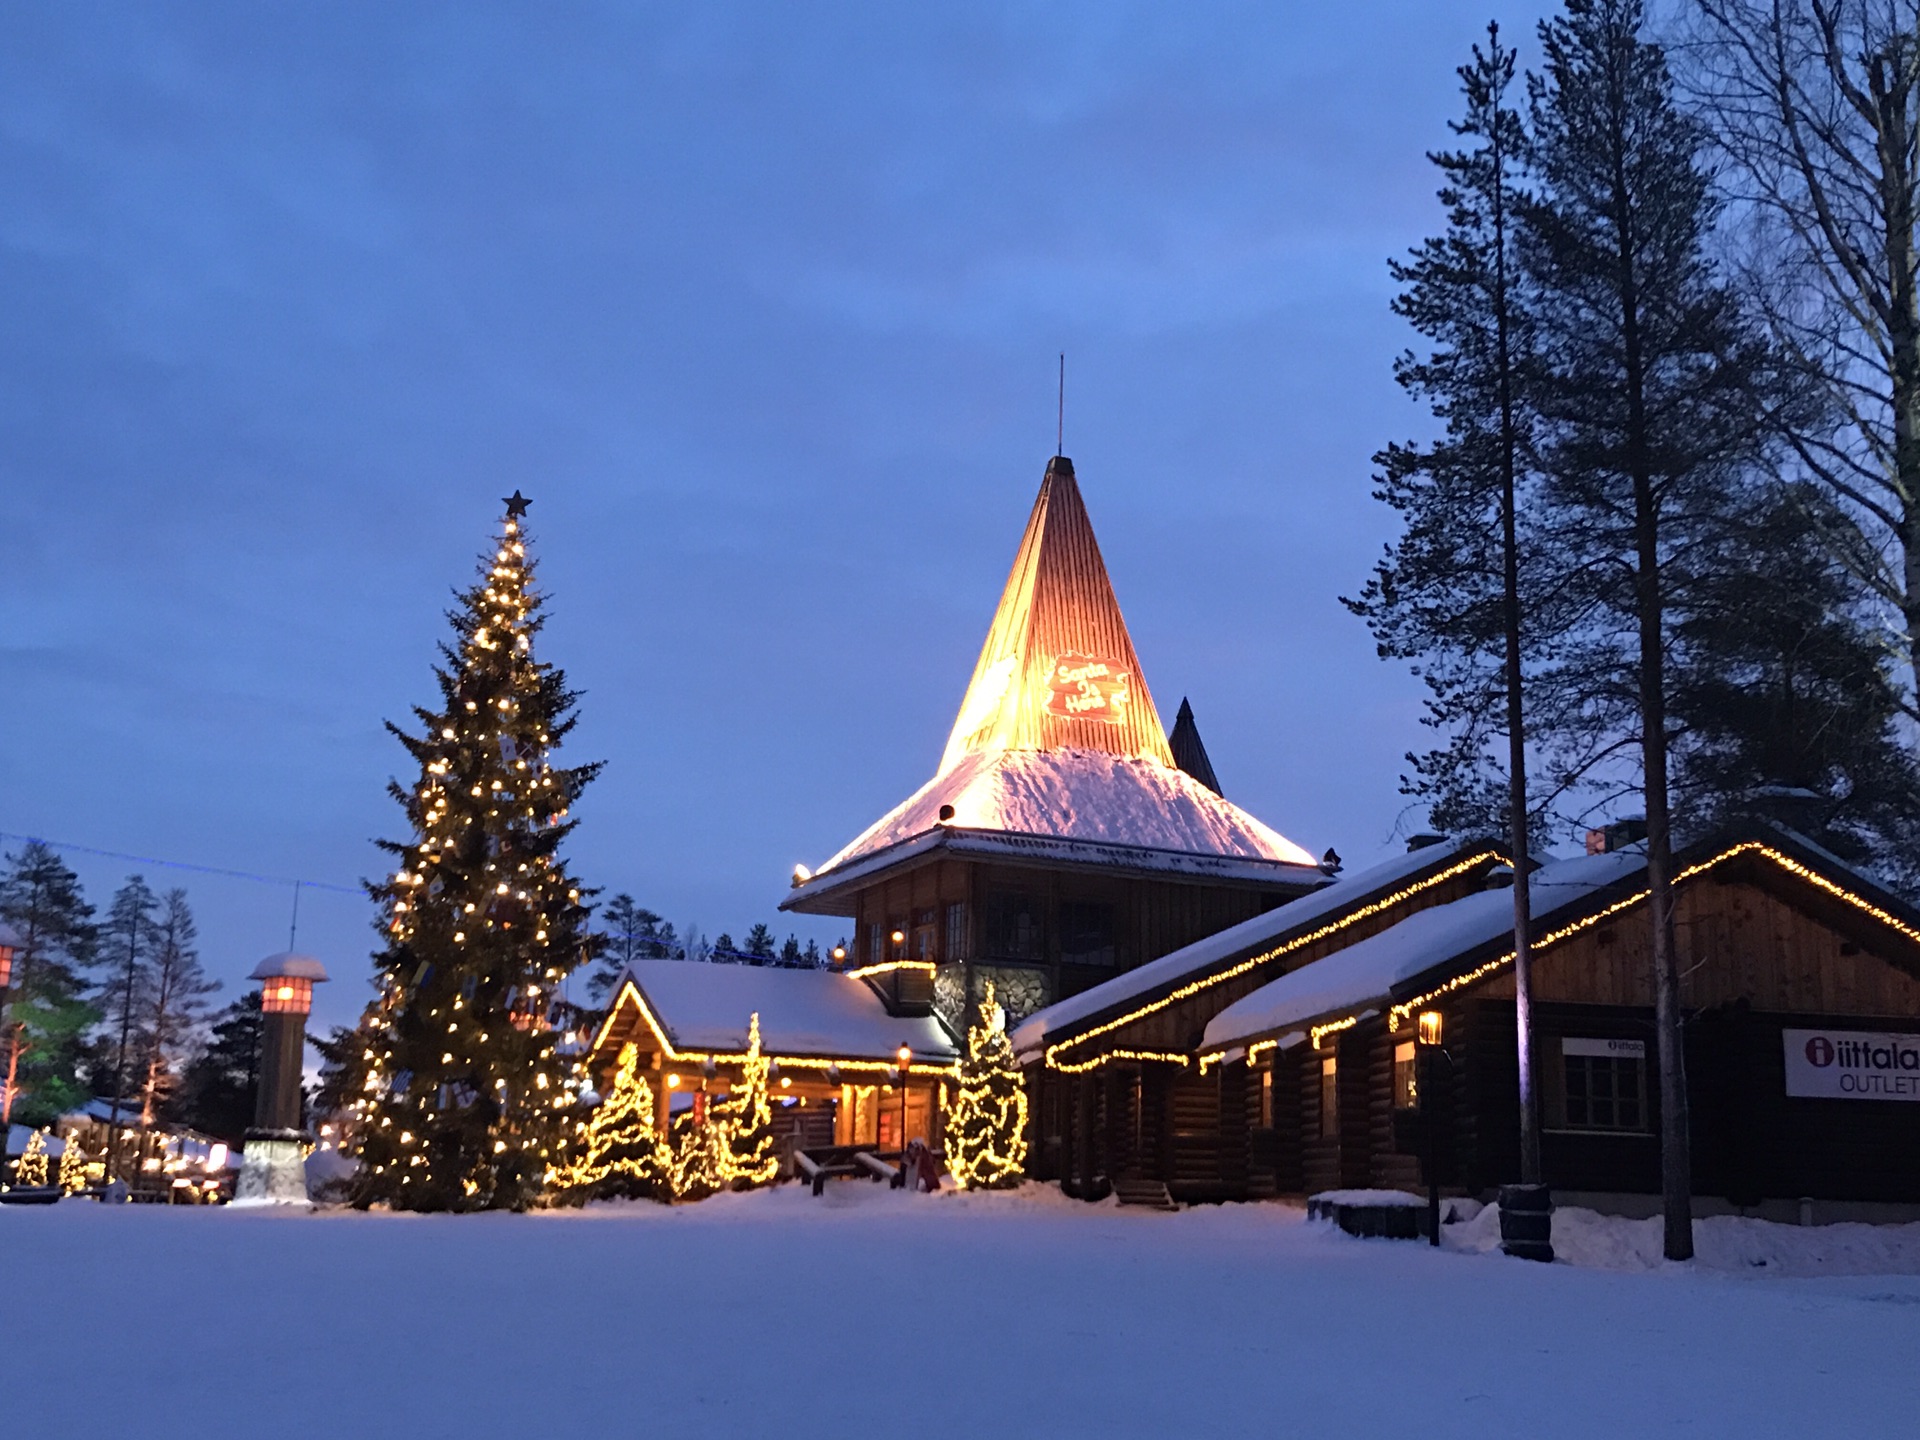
(273,1165)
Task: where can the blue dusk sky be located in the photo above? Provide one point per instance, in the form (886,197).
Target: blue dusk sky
(760,305)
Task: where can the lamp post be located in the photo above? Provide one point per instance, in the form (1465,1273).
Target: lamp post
(273,1163)
(1429,1053)
(905,1058)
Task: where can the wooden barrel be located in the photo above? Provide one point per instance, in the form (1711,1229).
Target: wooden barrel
(1526,1221)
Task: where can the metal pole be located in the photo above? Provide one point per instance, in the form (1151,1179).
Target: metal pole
(1428,1057)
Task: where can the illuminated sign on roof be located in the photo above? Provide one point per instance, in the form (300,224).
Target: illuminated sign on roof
(1081,687)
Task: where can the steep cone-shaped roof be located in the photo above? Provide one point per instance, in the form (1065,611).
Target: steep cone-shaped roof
(1188,751)
(1058,740)
(1058,669)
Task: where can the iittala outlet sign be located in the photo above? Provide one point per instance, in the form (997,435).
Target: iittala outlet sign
(1852,1064)
(1085,687)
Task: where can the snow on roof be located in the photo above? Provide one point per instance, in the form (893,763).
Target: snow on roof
(1073,794)
(707,1007)
(1192,961)
(1369,969)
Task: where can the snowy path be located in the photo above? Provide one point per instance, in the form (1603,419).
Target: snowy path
(875,1314)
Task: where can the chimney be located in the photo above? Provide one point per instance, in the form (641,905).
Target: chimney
(1617,836)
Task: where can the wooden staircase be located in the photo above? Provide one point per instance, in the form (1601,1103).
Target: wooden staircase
(1132,1190)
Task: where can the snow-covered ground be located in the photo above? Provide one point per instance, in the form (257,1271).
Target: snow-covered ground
(872,1313)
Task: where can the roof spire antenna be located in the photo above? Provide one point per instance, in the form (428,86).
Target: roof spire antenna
(1060,432)
(293,930)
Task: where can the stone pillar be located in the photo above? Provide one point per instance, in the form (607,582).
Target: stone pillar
(273,1167)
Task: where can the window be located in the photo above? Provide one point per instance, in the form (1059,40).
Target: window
(1406,1078)
(1086,934)
(956,933)
(1015,930)
(1266,1098)
(1603,1084)
(876,937)
(1329,1099)
(923,934)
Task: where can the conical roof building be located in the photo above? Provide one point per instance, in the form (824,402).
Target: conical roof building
(1057,766)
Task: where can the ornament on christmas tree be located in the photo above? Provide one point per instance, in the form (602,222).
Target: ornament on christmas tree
(986,1117)
(73,1166)
(30,1170)
(748,1156)
(464,1097)
(622,1153)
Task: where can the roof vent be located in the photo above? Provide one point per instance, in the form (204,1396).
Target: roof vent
(1618,836)
(1424,841)
(946,813)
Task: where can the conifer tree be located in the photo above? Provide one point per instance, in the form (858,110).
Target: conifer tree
(44,1023)
(696,1155)
(174,1004)
(218,1089)
(127,944)
(465,1102)
(30,1170)
(1654,395)
(748,1156)
(630,932)
(72,1177)
(987,1115)
(1460,594)
(622,1154)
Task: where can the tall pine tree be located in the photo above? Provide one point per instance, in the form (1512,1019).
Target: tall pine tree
(1650,387)
(217,1091)
(175,1004)
(465,1102)
(127,941)
(44,1025)
(1453,592)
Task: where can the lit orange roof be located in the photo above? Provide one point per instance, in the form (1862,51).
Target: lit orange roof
(1058,670)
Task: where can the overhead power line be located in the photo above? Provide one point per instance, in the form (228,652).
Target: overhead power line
(186,865)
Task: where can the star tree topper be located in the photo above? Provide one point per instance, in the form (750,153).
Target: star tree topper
(516,504)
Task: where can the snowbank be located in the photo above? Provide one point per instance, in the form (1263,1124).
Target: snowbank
(1730,1243)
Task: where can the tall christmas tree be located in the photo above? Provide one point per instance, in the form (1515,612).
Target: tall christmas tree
(622,1153)
(987,1116)
(465,1101)
(747,1119)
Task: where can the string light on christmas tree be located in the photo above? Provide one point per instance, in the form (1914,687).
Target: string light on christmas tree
(73,1166)
(696,1153)
(30,1170)
(466,1096)
(986,1117)
(749,1157)
(622,1154)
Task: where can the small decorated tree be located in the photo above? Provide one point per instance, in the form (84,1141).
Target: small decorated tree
(31,1168)
(696,1156)
(987,1114)
(73,1166)
(747,1156)
(622,1153)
